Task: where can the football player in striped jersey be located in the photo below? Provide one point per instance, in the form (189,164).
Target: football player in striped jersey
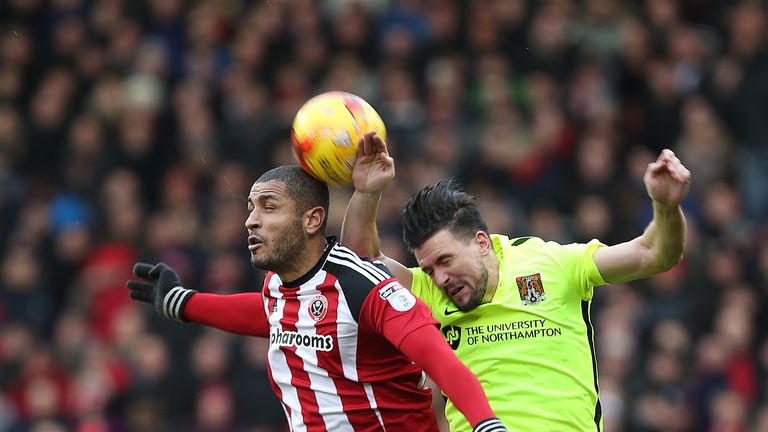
(348,343)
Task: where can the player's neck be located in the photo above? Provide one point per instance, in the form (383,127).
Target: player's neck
(305,260)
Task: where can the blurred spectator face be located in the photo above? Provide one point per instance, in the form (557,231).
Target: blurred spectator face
(15,47)
(151,358)
(225,272)
(747,26)
(68,35)
(729,412)
(443,147)
(152,59)
(210,356)
(548,223)
(124,40)
(85,136)
(136,132)
(595,160)
(661,13)
(311,52)
(305,17)
(664,369)
(105,16)
(11,82)
(51,99)
(15,343)
(145,415)
(70,337)
(128,326)
(721,205)
(634,42)
(20,270)
(225,228)
(482,29)
(548,33)
(398,43)
(593,218)
(106,97)
(178,188)
(215,408)
(671,337)
(164,11)
(249,49)
(351,27)
(443,16)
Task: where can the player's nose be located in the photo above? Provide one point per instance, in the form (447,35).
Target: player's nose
(252,221)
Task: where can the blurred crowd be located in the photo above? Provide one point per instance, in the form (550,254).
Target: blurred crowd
(132,130)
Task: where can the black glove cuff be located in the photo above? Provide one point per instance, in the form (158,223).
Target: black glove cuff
(490,425)
(174,302)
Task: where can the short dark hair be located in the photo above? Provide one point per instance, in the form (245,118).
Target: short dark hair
(441,205)
(307,191)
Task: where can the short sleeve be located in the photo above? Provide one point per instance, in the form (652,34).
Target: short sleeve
(392,311)
(581,258)
(421,284)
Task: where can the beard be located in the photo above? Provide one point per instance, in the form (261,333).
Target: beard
(281,249)
(478,291)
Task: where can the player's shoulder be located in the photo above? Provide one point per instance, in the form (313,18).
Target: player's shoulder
(356,276)
(342,262)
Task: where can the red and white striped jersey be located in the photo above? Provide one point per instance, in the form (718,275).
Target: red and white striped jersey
(333,356)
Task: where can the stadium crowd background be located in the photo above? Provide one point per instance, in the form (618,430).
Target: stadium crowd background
(133,129)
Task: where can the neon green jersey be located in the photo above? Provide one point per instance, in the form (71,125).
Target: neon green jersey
(532,346)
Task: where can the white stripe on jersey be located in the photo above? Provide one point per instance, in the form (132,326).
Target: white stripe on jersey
(372,400)
(342,252)
(346,329)
(328,401)
(278,364)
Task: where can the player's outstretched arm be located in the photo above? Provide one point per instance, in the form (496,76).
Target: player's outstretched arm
(427,348)
(374,170)
(237,313)
(660,247)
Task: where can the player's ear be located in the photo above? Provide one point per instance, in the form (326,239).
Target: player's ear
(313,220)
(483,241)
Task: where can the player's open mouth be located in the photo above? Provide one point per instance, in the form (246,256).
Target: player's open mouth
(254,242)
(454,291)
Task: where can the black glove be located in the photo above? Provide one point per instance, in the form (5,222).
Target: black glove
(164,291)
(490,425)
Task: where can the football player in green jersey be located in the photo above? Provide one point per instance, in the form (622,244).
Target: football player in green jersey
(516,311)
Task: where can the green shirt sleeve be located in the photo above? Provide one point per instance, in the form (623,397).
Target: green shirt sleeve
(579,258)
(420,286)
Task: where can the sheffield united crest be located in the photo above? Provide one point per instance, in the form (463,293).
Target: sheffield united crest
(318,307)
(531,289)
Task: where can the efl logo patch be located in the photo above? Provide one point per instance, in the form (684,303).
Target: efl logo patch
(318,307)
(531,289)
(398,296)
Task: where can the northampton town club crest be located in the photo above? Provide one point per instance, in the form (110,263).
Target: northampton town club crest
(531,289)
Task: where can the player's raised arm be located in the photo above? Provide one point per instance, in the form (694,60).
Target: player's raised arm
(374,170)
(660,247)
(235,313)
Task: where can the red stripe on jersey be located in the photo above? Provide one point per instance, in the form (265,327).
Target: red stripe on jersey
(271,302)
(352,394)
(310,410)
